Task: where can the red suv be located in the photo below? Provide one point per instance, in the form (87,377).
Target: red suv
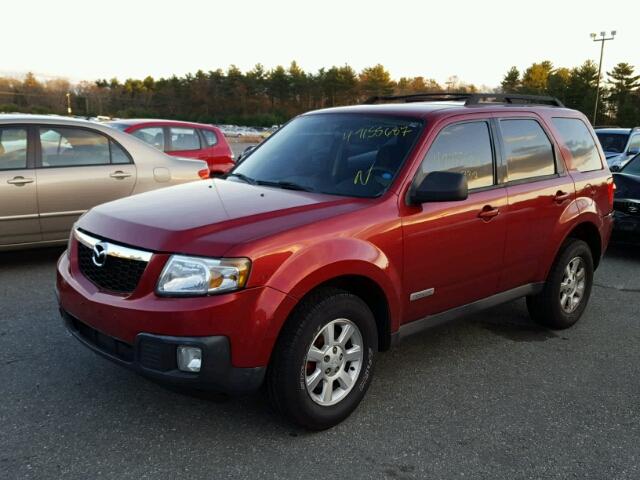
(344,232)
(183,139)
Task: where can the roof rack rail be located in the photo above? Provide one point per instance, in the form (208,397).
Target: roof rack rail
(470,98)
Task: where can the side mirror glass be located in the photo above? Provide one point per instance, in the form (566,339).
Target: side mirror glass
(440,187)
(245,153)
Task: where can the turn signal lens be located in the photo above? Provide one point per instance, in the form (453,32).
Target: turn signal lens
(204,173)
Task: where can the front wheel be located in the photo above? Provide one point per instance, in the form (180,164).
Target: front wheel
(567,289)
(323,361)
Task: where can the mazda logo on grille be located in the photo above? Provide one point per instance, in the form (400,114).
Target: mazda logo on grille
(99,256)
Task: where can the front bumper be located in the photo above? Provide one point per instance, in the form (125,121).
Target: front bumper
(154,356)
(245,324)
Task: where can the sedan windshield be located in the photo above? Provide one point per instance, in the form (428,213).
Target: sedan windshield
(613,142)
(340,154)
(633,167)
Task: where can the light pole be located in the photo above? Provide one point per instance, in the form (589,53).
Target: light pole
(68,95)
(602,38)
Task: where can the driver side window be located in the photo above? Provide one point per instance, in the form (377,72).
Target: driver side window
(462,148)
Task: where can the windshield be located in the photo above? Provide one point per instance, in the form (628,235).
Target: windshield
(340,154)
(633,167)
(613,142)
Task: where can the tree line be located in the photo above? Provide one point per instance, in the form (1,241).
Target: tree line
(576,88)
(266,97)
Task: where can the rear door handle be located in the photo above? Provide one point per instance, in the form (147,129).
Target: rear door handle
(488,212)
(119,174)
(561,196)
(19,181)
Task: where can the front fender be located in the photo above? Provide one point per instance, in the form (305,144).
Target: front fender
(314,264)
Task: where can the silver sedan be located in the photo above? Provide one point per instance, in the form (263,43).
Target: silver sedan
(53,169)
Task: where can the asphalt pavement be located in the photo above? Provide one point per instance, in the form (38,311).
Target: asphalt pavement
(492,396)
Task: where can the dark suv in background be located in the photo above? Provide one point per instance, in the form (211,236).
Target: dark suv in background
(344,232)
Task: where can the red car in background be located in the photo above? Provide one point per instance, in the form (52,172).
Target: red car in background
(183,139)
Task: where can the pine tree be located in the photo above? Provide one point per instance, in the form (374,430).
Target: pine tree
(511,81)
(623,94)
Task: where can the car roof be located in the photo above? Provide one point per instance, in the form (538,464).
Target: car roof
(158,121)
(426,109)
(613,130)
(29,118)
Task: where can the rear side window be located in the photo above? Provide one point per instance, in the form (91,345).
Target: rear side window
(209,137)
(462,148)
(118,155)
(527,148)
(575,135)
(75,147)
(184,139)
(154,136)
(13,148)
(67,147)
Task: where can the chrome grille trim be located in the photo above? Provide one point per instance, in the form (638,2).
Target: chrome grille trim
(112,249)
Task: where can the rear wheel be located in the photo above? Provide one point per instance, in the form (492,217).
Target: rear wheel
(322,364)
(567,289)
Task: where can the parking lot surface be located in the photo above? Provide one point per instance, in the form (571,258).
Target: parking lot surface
(491,396)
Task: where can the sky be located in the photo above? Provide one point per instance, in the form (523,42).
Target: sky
(476,40)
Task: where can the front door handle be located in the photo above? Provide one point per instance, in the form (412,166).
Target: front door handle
(119,175)
(488,212)
(561,196)
(19,181)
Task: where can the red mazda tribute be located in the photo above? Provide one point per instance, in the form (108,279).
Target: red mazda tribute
(344,232)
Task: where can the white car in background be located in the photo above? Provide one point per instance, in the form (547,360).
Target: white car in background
(619,144)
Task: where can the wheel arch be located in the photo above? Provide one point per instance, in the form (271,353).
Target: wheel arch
(362,286)
(588,232)
(372,294)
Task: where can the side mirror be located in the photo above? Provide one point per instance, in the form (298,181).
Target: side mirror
(615,168)
(440,187)
(245,153)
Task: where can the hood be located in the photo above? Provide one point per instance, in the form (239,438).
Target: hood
(208,217)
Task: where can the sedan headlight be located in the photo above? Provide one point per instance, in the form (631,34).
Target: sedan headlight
(192,276)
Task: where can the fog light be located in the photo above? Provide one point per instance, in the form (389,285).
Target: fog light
(189,358)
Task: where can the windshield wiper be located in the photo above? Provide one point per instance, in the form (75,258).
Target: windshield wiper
(285,184)
(241,176)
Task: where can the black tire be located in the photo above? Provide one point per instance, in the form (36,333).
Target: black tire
(545,307)
(286,374)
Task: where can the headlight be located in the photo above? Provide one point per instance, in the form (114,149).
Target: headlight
(202,276)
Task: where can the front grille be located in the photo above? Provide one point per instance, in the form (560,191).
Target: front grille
(631,208)
(119,275)
(103,342)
